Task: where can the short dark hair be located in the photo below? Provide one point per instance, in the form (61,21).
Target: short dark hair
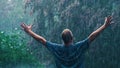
(67,36)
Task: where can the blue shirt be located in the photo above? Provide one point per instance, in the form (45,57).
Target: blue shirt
(71,56)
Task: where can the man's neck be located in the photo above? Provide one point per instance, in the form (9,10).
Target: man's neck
(67,44)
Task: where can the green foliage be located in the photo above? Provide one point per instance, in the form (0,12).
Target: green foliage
(14,52)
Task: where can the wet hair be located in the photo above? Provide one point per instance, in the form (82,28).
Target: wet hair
(67,36)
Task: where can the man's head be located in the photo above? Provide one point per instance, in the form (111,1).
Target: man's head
(67,36)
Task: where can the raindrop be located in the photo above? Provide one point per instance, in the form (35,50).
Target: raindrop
(16,28)
(11,47)
(2,32)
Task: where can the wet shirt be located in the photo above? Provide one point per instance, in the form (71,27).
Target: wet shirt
(71,56)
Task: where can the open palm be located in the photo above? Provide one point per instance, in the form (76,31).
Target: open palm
(108,21)
(26,27)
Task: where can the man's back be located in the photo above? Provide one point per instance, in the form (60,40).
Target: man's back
(70,56)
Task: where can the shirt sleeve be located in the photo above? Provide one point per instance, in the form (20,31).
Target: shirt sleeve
(51,46)
(83,45)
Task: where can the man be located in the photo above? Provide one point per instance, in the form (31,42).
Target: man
(68,55)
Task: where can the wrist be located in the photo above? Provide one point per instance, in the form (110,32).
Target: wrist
(28,31)
(105,26)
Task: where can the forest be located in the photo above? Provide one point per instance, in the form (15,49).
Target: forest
(49,18)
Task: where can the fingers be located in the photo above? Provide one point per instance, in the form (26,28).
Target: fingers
(109,19)
(23,25)
(31,25)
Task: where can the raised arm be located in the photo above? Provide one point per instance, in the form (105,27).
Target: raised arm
(94,34)
(28,30)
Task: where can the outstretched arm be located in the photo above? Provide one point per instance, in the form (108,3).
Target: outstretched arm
(94,34)
(28,30)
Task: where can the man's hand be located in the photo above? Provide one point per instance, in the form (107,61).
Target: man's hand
(108,21)
(26,27)
(31,33)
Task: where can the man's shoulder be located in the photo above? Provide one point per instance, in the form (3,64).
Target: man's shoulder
(82,42)
(49,43)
